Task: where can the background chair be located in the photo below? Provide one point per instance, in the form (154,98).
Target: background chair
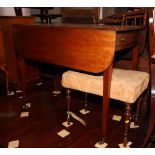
(138,18)
(132,18)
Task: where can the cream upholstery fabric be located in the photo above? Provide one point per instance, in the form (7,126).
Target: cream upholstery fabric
(126,85)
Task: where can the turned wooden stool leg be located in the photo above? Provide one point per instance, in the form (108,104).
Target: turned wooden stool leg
(127,116)
(68,95)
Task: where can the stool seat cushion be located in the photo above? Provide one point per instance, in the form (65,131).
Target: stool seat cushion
(126,85)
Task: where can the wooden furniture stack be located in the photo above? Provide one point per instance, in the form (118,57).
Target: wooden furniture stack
(10,57)
(80,15)
(45,14)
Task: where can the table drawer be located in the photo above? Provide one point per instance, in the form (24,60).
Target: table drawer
(126,40)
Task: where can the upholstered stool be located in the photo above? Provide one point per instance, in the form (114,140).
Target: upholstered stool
(126,86)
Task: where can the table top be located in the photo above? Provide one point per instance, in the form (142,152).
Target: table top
(56,43)
(88,26)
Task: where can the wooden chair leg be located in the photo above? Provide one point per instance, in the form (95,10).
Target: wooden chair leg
(151,123)
(6,79)
(68,96)
(21,74)
(142,106)
(146,102)
(46,20)
(42,20)
(86,101)
(139,104)
(127,118)
(7,82)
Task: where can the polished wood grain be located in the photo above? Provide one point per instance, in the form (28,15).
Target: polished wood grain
(106,99)
(66,46)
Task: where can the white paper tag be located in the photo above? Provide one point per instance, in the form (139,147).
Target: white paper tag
(66,124)
(18,91)
(40,83)
(24,114)
(116,118)
(132,126)
(83,111)
(27,105)
(128,145)
(13,144)
(11,93)
(56,92)
(63,133)
(77,118)
(104,145)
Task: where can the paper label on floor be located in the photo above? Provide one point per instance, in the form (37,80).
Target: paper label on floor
(40,83)
(56,92)
(66,124)
(18,91)
(104,145)
(24,114)
(128,145)
(83,111)
(132,125)
(63,133)
(13,144)
(77,118)
(116,118)
(28,105)
(10,93)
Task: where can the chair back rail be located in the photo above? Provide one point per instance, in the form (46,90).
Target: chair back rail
(135,18)
(84,49)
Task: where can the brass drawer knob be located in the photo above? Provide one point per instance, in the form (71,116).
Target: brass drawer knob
(123,40)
